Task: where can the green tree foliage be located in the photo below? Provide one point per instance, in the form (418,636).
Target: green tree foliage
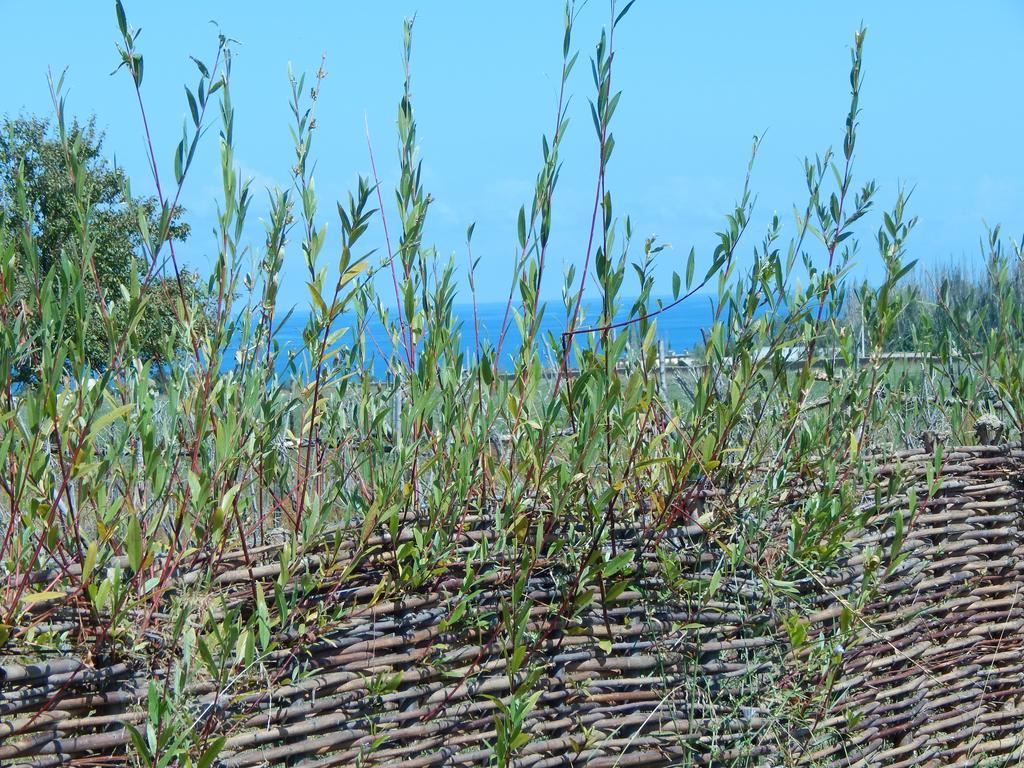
(38,193)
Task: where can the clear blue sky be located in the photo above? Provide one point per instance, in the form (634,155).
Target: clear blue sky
(942,109)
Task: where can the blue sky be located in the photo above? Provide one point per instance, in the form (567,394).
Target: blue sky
(942,110)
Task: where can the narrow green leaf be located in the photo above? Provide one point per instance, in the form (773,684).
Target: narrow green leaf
(40,597)
(211,752)
(133,543)
(90,561)
(109,417)
(122,22)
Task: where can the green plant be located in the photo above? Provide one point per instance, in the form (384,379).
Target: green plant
(130,486)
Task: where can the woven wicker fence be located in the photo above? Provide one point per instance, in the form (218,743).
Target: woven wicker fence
(927,670)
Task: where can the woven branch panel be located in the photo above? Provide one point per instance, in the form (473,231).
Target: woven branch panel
(923,656)
(935,676)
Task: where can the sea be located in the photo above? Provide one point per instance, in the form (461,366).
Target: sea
(679,328)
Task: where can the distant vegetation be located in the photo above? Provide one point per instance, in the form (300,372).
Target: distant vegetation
(957,303)
(82,210)
(129,453)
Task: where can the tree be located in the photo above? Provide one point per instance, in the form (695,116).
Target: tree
(29,149)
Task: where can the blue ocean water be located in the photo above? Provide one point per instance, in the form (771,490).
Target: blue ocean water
(679,327)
